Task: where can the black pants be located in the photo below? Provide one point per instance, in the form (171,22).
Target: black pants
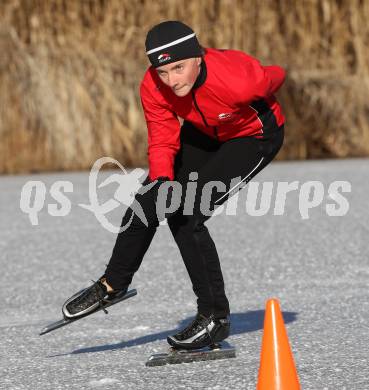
(235,161)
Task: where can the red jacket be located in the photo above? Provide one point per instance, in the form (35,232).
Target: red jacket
(232,97)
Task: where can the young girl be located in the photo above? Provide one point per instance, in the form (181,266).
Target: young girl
(232,128)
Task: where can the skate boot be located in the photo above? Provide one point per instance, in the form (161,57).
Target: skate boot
(201,332)
(89,299)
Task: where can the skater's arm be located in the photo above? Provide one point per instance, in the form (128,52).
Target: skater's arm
(260,82)
(163,136)
(275,76)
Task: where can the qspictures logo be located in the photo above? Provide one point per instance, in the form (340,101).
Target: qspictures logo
(261,198)
(33,195)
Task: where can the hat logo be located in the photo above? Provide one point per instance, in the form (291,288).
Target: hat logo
(164,57)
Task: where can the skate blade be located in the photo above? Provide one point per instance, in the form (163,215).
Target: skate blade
(220,351)
(67,321)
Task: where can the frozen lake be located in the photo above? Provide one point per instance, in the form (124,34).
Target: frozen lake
(318,267)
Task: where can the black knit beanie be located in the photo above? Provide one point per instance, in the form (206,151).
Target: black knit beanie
(171,41)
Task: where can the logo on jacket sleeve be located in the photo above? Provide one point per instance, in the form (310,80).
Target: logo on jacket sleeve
(164,57)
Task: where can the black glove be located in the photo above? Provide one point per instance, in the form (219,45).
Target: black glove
(162,179)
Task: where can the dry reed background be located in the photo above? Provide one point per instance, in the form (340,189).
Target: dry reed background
(69,74)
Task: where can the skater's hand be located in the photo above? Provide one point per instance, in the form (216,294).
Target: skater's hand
(162,179)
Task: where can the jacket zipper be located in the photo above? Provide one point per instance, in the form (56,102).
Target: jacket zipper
(215,129)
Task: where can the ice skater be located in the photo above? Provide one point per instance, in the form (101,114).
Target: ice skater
(211,116)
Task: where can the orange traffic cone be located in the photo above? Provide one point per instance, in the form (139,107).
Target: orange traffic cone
(277,369)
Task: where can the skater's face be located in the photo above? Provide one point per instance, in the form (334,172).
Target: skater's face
(180,76)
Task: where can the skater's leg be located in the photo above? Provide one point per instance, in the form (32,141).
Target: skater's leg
(196,150)
(202,263)
(244,158)
(129,249)
(132,243)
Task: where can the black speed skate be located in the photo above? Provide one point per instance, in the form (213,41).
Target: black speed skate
(200,340)
(88,301)
(201,332)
